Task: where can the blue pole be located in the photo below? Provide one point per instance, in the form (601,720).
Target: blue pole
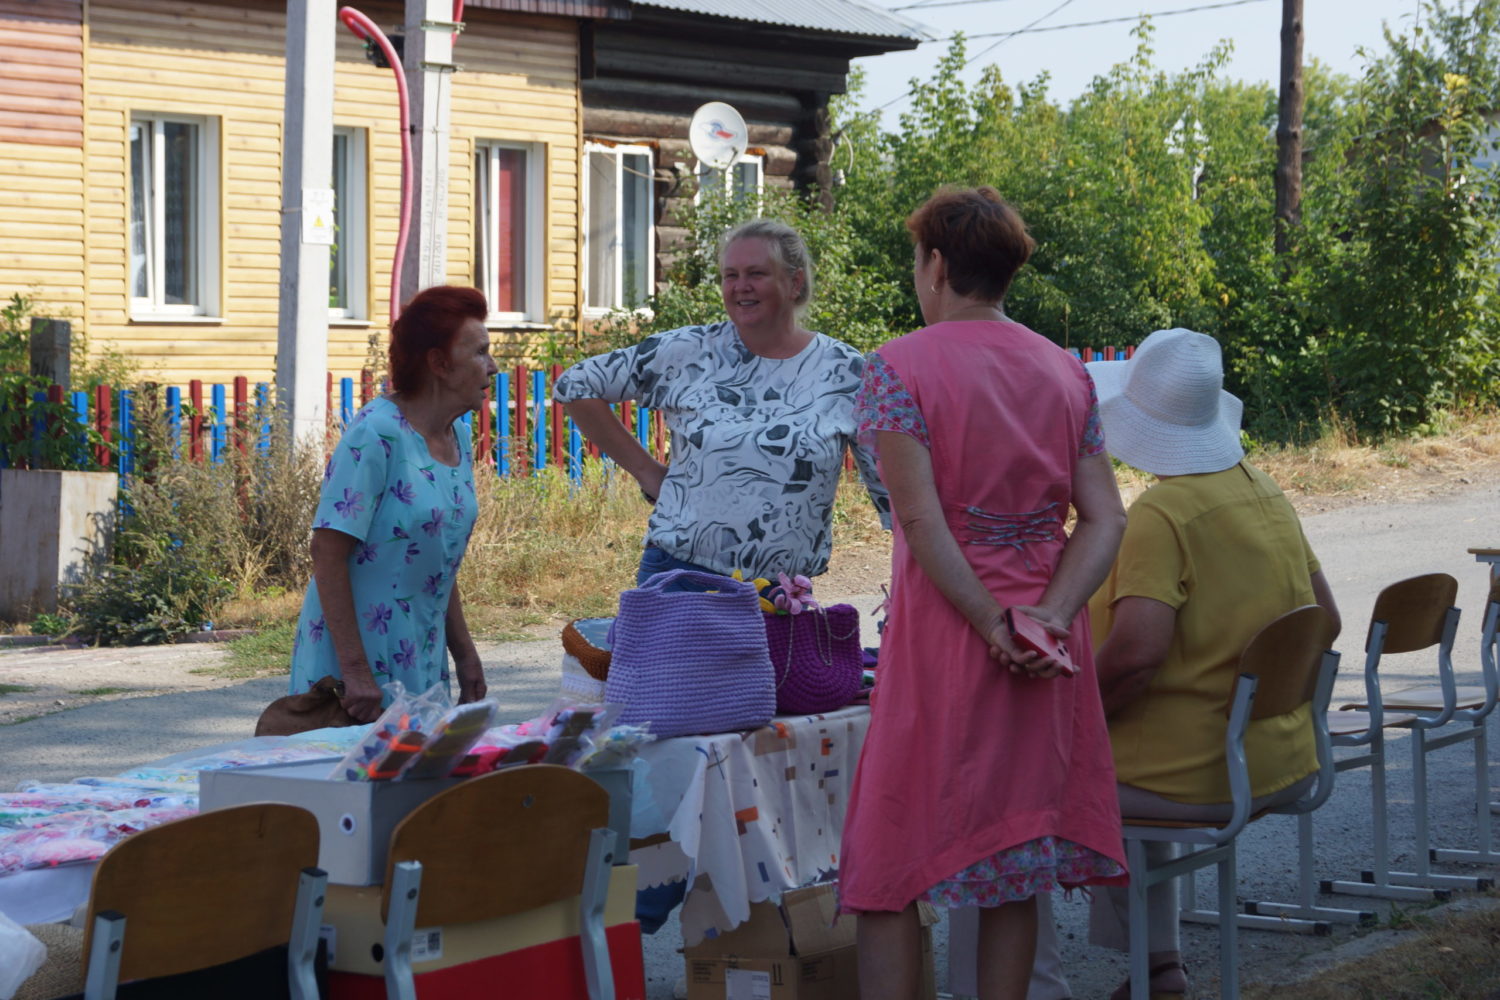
(263,403)
(346,401)
(539,418)
(575,452)
(174,419)
(219,432)
(126,433)
(502,424)
(643,427)
(80,401)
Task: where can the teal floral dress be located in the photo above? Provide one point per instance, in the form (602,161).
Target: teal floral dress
(412,517)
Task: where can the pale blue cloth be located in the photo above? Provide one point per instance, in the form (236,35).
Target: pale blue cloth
(412,516)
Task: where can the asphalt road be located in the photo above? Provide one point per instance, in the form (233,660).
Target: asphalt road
(1362,548)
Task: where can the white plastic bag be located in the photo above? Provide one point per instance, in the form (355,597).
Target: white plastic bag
(21,954)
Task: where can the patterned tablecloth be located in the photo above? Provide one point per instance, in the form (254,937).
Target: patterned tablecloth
(740,817)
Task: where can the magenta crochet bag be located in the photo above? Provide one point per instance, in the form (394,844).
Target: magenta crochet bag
(685,662)
(816,659)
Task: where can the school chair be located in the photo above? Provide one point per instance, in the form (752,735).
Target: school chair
(505,843)
(204,891)
(1284,666)
(1410,616)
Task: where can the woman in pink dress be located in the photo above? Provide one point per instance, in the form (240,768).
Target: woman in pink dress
(986,778)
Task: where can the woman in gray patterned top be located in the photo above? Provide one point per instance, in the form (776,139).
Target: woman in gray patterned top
(760,412)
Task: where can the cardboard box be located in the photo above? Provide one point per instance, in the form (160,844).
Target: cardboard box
(552,971)
(792,951)
(355,934)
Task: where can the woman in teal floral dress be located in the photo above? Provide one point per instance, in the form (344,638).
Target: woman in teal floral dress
(394,518)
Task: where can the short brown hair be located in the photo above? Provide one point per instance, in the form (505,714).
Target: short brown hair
(430,321)
(981,237)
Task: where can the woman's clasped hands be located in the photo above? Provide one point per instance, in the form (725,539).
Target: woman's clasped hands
(1008,653)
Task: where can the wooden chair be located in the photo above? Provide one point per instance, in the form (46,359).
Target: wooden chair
(204,891)
(504,843)
(1410,616)
(1284,666)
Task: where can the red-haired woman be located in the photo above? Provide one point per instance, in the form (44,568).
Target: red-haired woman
(986,778)
(394,518)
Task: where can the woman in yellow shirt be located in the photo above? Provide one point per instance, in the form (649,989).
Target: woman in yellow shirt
(1211,554)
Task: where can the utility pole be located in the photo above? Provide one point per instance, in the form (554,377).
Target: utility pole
(306,218)
(429,78)
(1289,130)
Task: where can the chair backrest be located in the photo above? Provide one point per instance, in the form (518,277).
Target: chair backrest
(1414,612)
(205,890)
(1285,657)
(504,843)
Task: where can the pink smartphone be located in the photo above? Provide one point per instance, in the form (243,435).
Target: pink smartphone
(1031,634)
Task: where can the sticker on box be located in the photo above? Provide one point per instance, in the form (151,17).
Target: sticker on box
(746,984)
(426,944)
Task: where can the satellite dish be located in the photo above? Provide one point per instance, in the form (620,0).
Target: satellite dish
(718,135)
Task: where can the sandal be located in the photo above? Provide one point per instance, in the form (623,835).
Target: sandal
(1123,991)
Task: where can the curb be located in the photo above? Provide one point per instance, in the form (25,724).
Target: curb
(48,644)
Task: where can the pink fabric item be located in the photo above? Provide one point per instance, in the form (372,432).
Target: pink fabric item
(964,759)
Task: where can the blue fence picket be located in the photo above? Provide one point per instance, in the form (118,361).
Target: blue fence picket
(174,419)
(539,418)
(643,427)
(502,424)
(263,404)
(219,429)
(575,452)
(80,404)
(346,401)
(125,434)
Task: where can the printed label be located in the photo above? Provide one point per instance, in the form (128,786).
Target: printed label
(746,984)
(329,935)
(426,944)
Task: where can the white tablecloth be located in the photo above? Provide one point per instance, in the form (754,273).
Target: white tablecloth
(748,814)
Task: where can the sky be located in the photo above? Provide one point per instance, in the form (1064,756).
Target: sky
(1333,31)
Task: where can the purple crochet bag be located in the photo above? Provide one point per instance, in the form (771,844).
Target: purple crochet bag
(687,662)
(816,659)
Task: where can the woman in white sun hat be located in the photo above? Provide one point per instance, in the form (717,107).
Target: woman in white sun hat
(1211,553)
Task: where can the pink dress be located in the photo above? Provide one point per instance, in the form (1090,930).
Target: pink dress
(976,785)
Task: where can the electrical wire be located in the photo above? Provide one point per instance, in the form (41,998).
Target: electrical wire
(1107,20)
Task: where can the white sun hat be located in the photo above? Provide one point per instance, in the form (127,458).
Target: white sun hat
(1165,410)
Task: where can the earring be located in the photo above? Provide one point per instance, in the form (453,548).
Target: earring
(933,288)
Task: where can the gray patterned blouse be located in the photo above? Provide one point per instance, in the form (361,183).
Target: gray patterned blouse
(757,444)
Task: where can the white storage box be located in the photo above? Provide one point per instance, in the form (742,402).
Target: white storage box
(355,818)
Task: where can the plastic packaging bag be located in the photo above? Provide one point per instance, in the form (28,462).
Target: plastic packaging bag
(390,745)
(21,954)
(452,738)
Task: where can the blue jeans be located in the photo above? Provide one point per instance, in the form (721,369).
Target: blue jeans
(656,560)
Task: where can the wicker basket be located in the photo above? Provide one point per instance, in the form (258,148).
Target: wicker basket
(586,640)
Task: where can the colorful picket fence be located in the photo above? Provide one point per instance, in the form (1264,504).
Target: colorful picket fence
(520,429)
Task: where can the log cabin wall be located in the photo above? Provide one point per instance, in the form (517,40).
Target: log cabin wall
(642,80)
(65,188)
(41,155)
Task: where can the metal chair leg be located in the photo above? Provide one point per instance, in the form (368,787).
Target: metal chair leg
(1424,875)
(1304,916)
(597,973)
(1484,854)
(1229,946)
(104,956)
(1140,962)
(400,924)
(307,921)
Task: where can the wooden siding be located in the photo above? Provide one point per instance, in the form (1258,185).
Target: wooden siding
(227,62)
(41,72)
(42,240)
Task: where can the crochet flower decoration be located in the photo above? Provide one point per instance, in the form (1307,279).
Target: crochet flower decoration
(793,595)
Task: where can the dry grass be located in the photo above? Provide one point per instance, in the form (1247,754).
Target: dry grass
(544,549)
(1454,958)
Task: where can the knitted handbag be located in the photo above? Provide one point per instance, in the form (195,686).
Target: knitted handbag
(816,658)
(687,662)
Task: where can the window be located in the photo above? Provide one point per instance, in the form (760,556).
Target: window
(745,178)
(618,207)
(510,259)
(173,224)
(347,270)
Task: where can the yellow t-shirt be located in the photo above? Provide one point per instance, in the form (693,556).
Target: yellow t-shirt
(1226,551)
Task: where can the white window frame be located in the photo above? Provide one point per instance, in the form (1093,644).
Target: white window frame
(486,197)
(759,162)
(353,233)
(617,293)
(206,223)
